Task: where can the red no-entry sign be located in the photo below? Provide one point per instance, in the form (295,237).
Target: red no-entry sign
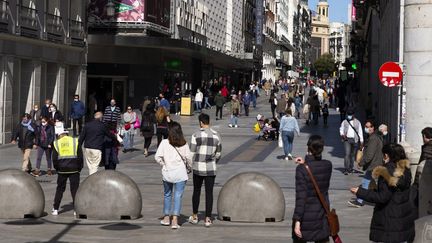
(390,74)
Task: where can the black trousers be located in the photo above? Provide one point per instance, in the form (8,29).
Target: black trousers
(74,180)
(219,110)
(209,183)
(147,142)
(74,126)
(161,133)
(246,108)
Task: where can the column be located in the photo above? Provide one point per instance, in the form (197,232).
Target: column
(6,92)
(417,55)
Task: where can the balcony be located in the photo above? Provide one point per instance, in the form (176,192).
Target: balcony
(54,28)
(77,33)
(29,22)
(4,16)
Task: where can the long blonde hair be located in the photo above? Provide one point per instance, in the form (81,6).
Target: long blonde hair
(161,113)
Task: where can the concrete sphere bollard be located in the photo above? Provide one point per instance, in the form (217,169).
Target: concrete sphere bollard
(21,195)
(423,230)
(251,197)
(108,195)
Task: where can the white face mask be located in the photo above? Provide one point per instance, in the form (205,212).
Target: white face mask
(36,109)
(53,109)
(44,123)
(75,99)
(349,118)
(366,130)
(385,133)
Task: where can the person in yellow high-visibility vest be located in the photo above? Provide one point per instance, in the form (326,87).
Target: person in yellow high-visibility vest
(68,161)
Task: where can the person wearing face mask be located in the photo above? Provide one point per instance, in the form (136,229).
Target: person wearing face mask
(55,114)
(44,140)
(112,115)
(36,115)
(372,158)
(392,219)
(24,133)
(384,131)
(351,133)
(77,112)
(45,111)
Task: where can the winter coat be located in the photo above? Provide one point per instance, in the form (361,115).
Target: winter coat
(393,217)
(372,155)
(56,116)
(36,116)
(50,136)
(148,121)
(315,105)
(308,209)
(247,100)
(235,107)
(77,110)
(68,165)
(281,105)
(219,100)
(26,138)
(426,152)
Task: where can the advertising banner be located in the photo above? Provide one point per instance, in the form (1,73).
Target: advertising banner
(123,10)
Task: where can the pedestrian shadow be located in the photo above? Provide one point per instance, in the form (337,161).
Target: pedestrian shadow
(121,227)
(67,208)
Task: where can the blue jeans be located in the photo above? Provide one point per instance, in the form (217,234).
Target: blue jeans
(254,101)
(178,195)
(206,102)
(365,182)
(128,139)
(198,105)
(233,120)
(287,139)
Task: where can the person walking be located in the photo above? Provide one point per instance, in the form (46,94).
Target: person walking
(25,134)
(164,103)
(325,112)
(174,156)
(273,103)
(206,98)
(45,110)
(45,137)
(162,120)
(112,115)
(92,140)
(246,102)
(176,100)
(68,162)
(36,115)
(148,125)
(352,135)
(288,126)
(219,102)
(392,219)
(315,108)
(111,151)
(206,147)
(55,115)
(309,218)
(129,119)
(77,112)
(198,100)
(372,158)
(235,110)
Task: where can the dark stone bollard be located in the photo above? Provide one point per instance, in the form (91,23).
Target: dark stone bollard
(251,197)
(423,230)
(21,196)
(108,195)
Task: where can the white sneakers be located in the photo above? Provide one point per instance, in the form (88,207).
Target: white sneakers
(193,220)
(54,212)
(235,126)
(230,125)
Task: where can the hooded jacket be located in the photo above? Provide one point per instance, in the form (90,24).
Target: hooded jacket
(393,218)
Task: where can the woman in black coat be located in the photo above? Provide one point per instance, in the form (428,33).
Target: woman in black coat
(393,216)
(148,122)
(309,219)
(44,140)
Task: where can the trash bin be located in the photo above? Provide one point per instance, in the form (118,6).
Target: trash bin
(186,106)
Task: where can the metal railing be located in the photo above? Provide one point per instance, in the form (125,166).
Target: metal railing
(28,18)
(4,14)
(54,24)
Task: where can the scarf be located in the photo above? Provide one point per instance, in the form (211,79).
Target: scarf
(43,134)
(28,125)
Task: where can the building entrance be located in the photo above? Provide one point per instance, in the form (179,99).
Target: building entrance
(101,89)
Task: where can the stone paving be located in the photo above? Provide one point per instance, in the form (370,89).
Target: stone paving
(239,150)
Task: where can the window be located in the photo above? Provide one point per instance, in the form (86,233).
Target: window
(54,7)
(76,10)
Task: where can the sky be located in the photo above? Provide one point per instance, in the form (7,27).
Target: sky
(338,9)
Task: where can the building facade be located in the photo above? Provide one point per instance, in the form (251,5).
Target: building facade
(42,56)
(320,30)
(339,46)
(302,38)
(270,41)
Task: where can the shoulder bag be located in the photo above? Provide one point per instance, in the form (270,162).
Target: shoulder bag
(188,168)
(359,154)
(331,215)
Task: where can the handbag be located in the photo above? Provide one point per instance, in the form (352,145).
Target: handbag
(137,123)
(127,126)
(331,215)
(188,168)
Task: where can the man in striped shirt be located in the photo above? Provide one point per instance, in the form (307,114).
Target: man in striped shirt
(206,147)
(112,115)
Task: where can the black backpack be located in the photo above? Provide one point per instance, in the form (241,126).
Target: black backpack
(146,124)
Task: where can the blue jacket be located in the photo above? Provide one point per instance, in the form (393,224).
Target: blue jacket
(77,110)
(247,99)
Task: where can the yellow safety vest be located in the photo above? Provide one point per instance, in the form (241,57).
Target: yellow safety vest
(66,147)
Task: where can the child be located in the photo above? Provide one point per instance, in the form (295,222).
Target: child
(325,113)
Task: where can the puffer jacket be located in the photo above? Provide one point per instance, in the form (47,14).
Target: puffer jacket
(393,216)
(308,209)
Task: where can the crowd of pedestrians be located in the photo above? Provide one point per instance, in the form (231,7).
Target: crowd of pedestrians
(386,181)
